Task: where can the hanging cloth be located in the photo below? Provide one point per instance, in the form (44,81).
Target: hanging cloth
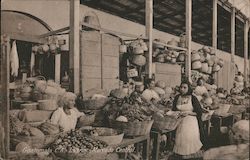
(14,61)
(32,63)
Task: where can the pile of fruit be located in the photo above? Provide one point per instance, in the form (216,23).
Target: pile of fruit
(76,142)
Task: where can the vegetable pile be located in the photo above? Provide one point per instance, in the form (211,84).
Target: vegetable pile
(132,108)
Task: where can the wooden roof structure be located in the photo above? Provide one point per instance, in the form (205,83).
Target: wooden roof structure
(169,16)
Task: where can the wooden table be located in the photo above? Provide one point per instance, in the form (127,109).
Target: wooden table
(219,121)
(145,140)
(156,135)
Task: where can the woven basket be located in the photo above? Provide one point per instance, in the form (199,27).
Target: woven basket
(132,128)
(95,104)
(48,104)
(166,123)
(109,135)
(86,120)
(33,141)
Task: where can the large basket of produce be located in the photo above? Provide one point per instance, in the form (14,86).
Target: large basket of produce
(135,128)
(77,145)
(165,122)
(86,120)
(95,103)
(109,135)
(36,137)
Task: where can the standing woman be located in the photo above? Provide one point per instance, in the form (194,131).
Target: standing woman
(190,134)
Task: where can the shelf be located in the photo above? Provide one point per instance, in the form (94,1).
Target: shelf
(167,45)
(113,32)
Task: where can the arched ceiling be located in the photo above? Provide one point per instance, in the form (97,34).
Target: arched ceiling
(14,22)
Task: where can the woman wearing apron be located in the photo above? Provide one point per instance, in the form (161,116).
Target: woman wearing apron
(190,136)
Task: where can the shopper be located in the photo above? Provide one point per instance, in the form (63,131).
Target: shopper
(200,90)
(149,94)
(66,115)
(190,135)
(136,95)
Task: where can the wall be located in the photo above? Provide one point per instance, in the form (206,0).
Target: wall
(56,14)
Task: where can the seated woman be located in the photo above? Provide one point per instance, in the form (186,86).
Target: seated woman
(66,115)
(149,94)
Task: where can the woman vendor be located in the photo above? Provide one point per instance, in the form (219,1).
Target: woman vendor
(149,94)
(190,135)
(66,115)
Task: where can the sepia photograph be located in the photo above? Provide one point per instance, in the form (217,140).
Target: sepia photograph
(125,80)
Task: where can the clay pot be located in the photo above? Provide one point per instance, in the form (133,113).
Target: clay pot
(221,62)
(195,56)
(138,50)
(181,57)
(210,70)
(206,49)
(45,48)
(196,65)
(139,60)
(123,48)
(210,63)
(173,60)
(52,47)
(161,58)
(216,68)
(35,48)
(204,67)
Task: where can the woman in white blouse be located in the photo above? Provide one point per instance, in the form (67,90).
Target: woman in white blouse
(66,115)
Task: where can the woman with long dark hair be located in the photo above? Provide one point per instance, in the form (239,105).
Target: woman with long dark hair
(190,135)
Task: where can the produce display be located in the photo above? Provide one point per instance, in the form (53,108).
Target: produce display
(76,142)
